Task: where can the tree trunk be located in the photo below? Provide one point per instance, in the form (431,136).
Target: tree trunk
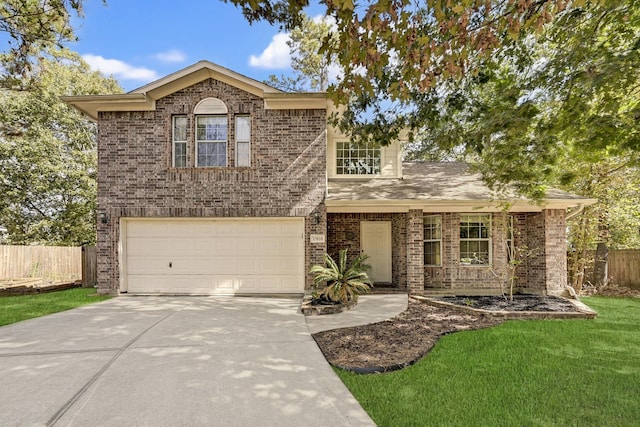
(601,264)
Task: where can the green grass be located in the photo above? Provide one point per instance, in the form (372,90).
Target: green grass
(520,373)
(17,308)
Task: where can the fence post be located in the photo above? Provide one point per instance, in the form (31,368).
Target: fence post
(89,266)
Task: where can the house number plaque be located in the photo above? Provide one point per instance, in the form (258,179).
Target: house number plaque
(316,238)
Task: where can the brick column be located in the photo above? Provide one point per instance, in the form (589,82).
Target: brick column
(415,252)
(555,251)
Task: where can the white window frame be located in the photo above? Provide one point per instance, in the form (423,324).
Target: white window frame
(175,141)
(219,141)
(365,158)
(475,260)
(510,237)
(430,239)
(243,141)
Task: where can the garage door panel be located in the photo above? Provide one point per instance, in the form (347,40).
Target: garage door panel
(214,256)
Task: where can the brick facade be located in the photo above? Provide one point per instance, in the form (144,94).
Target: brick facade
(135,177)
(540,236)
(343,232)
(287,178)
(547,267)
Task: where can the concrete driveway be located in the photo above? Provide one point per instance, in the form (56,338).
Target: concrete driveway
(160,361)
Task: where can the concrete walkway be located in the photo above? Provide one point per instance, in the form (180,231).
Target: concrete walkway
(370,309)
(159,361)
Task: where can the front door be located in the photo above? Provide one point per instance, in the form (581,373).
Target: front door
(375,241)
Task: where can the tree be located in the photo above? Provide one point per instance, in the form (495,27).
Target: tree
(48,154)
(32,25)
(612,223)
(402,60)
(561,110)
(311,68)
(395,50)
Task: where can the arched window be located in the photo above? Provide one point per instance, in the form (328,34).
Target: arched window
(211,134)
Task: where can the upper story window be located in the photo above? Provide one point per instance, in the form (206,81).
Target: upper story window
(243,141)
(357,158)
(475,240)
(211,141)
(433,240)
(179,137)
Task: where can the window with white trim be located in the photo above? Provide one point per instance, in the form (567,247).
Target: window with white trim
(179,138)
(211,141)
(432,240)
(357,158)
(475,239)
(510,239)
(243,141)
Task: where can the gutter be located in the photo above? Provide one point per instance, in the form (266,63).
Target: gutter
(572,214)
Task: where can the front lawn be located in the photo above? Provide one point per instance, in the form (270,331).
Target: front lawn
(520,373)
(16,308)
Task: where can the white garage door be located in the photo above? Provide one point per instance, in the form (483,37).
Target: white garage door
(213,256)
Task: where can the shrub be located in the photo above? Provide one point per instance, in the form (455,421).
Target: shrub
(344,281)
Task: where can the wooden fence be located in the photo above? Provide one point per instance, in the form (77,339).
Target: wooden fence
(89,266)
(624,267)
(46,262)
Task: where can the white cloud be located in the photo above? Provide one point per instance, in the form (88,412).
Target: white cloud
(172,55)
(330,20)
(276,55)
(119,69)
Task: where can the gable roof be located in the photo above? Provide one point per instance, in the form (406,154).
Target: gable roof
(435,187)
(144,98)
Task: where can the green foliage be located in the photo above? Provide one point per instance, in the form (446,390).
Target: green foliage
(17,308)
(344,280)
(512,86)
(48,155)
(311,68)
(582,372)
(33,26)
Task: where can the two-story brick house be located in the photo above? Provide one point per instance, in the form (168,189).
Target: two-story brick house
(210,182)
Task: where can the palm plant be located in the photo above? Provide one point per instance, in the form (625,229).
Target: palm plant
(344,281)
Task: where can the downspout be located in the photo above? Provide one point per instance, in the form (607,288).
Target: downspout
(572,214)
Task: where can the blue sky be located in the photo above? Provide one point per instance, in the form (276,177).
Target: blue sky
(138,41)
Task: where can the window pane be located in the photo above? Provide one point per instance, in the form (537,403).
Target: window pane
(211,140)
(357,159)
(243,128)
(475,239)
(432,253)
(211,128)
(180,128)
(243,154)
(180,155)
(212,154)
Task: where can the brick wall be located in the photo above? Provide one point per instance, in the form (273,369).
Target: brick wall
(343,232)
(135,178)
(542,233)
(452,274)
(415,251)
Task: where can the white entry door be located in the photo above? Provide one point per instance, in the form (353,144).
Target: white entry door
(375,241)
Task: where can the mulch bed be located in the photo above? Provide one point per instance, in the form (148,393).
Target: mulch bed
(397,342)
(401,341)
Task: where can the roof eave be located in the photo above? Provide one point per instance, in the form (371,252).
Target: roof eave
(443,205)
(295,101)
(91,105)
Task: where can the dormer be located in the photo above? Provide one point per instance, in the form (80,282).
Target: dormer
(350,160)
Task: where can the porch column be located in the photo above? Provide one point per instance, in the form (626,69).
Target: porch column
(555,250)
(415,252)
